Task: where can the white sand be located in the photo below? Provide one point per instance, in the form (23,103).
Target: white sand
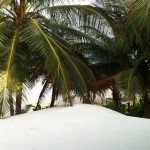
(82,127)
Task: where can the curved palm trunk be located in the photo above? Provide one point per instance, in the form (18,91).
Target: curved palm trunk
(54,92)
(18,101)
(38,106)
(116,98)
(54,96)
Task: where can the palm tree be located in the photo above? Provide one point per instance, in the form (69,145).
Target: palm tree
(135,41)
(27,32)
(129,41)
(101,54)
(129,21)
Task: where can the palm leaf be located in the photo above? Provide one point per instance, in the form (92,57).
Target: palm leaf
(82,15)
(5,78)
(5,3)
(59,62)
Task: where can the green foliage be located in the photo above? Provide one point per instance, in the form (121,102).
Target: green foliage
(136,110)
(33,45)
(112,105)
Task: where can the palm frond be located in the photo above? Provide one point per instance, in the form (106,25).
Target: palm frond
(82,15)
(60,62)
(103,84)
(6,81)
(134,80)
(136,33)
(5,3)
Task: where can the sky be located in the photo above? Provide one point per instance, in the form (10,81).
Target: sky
(82,2)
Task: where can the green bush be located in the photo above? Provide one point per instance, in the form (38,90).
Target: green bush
(111,105)
(136,111)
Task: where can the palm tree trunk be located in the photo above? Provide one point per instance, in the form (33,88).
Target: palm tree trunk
(116,98)
(146,105)
(133,105)
(54,95)
(18,101)
(11,104)
(86,100)
(70,101)
(129,108)
(38,106)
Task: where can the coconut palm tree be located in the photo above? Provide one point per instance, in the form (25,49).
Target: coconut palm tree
(129,21)
(128,39)
(101,54)
(130,43)
(26,33)
(135,41)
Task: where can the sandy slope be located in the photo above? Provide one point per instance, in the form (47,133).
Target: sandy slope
(82,127)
